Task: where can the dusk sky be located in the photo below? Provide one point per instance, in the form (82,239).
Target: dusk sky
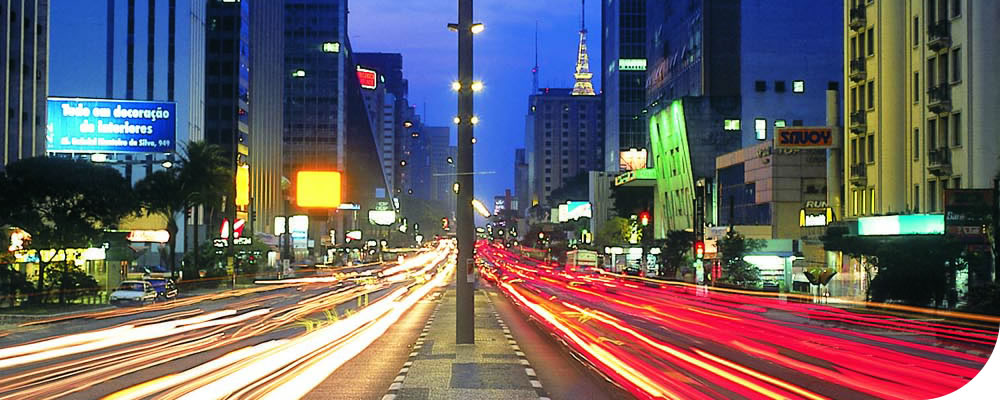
(417,29)
(504,57)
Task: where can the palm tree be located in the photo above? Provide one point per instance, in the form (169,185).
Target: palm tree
(207,176)
(163,192)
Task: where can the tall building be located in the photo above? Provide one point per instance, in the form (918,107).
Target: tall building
(243,100)
(521,191)
(25,49)
(315,71)
(430,170)
(390,69)
(921,102)
(147,50)
(722,94)
(624,82)
(583,85)
(568,138)
(381,106)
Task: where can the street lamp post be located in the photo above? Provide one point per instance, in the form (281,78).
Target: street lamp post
(465,327)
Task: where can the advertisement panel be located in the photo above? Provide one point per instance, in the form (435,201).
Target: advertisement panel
(632,159)
(318,189)
(805,137)
(967,214)
(381,218)
(574,210)
(110,126)
(367,78)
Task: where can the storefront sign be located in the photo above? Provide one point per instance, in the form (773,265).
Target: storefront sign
(804,137)
(913,224)
(110,126)
(967,213)
(143,236)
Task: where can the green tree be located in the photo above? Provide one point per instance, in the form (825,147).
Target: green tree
(63,203)
(164,193)
(737,271)
(675,251)
(614,232)
(917,269)
(12,282)
(207,176)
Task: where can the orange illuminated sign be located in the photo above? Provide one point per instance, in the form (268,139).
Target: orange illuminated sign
(318,189)
(243,185)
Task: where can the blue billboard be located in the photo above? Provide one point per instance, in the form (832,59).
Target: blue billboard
(110,126)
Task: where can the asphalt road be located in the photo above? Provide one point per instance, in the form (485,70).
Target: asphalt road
(658,339)
(254,342)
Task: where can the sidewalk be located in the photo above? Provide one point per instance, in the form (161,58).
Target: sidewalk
(492,368)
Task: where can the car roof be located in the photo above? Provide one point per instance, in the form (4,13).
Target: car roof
(139,282)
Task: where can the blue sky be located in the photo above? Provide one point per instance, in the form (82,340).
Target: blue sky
(504,57)
(417,29)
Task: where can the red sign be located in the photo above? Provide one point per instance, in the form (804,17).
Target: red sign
(368,78)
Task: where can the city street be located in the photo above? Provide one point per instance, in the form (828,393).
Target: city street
(678,340)
(293,327)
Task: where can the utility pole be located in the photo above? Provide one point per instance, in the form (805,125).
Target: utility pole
(465,326)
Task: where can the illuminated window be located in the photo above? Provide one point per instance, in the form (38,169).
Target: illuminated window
(760,128)
(331,47)
(798,86)
(779,123)
(732,125)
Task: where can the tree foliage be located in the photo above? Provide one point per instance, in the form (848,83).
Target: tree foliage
(674,251)
(912,269)
(63,203)
(737,271)
(614,232)
(164,193)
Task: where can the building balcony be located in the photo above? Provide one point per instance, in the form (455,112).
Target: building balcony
(939,99)
(857,71)
(857,18)
(939,35)
(858,122)
(859,175)
(939,162)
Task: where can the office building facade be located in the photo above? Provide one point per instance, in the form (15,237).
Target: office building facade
(567,138)
(624,80)
(915,131)
(25,49)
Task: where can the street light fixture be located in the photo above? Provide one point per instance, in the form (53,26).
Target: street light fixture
(478,27)
(407,124)
(456,86)
(474,120)
(457,120)
(477,86)
(167,164)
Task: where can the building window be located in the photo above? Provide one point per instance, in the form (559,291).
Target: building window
(871,196)
(864,202)
(871,95)
(760,86)
(779,86)
(760,128)
(871,149)
(779,123)
(731,125)
(956,65)
(916,198)
(798,86)
(931,134)
(916,31)
(861,44)
(916,87)
(856,202)
(861,97)
(945,126)
(916,144)
(796,122)
(854,152)
(871,41)
(861,149)
(956,8)
(956,129)
(931,196)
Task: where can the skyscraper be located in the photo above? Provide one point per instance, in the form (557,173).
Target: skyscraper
(315,70)
(624,81)
(25,49)
(243,107)
(568,138)
(920,102)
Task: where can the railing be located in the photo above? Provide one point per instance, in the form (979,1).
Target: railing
(939,98)
(858,121)
(857,71)
(939,35)
(939,161)
(857,18)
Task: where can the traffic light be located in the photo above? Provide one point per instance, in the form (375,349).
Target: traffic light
(644,218)
(541,235)
(699,249)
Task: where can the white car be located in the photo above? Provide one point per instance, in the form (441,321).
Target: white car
(133,293)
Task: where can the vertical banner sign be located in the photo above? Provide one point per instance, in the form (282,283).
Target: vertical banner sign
(110,126)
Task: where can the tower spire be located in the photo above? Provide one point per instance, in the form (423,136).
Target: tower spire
(583,86)
(534,71)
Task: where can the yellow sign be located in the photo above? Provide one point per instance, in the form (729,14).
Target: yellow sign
(243,185)
(318,189)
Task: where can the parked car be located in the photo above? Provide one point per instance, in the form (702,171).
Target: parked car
(634,271)
(165,288)
(133,293)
